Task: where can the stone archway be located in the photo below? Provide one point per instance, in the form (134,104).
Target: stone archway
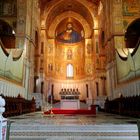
(58,19)
(54,4)
(132,35)
(7,35)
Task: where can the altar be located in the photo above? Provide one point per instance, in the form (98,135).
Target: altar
(70,99)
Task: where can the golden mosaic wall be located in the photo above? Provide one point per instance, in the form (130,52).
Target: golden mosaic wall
(63,55)
(131,11)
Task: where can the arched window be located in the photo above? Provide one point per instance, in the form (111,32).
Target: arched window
(132,35)
(7,35)
(70,71)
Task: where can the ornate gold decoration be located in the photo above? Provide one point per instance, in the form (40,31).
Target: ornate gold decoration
(59,18)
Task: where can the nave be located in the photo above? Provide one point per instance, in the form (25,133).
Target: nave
(103,126)
(75,55)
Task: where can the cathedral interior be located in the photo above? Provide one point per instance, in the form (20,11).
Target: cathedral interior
(71,54)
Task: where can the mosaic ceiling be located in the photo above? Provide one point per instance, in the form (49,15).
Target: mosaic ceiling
(44,2)
(62,6)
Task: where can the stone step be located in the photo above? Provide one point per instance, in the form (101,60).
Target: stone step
(74,132)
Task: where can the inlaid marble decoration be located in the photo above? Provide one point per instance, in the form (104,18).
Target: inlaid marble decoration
(36,126)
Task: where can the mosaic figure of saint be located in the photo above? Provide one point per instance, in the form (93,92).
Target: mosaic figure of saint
(69,54)
(69,35)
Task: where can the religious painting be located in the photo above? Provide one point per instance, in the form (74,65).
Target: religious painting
(8,8)
(50,45)
(57,68)
(117,1)
(50,67)
(89,69)
(130,7)
(69,54)
(89,48)
(69,35)
(21,24)
(69,49)
(50,48)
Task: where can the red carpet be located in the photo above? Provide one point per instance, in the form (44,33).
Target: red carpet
(70,111)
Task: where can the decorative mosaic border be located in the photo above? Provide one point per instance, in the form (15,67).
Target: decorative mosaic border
(73,134)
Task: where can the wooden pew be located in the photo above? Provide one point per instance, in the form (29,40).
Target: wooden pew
(18,105)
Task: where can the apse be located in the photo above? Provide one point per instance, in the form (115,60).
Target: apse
(68,52)
(69,49)
(66,66)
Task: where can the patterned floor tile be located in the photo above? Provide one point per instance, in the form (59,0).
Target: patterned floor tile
(36,126)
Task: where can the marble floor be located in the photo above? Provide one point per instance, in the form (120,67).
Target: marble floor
(37,126)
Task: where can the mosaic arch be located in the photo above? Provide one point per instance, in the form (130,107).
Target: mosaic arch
(56,7)
(132,34)
(79,18)
(54,3)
